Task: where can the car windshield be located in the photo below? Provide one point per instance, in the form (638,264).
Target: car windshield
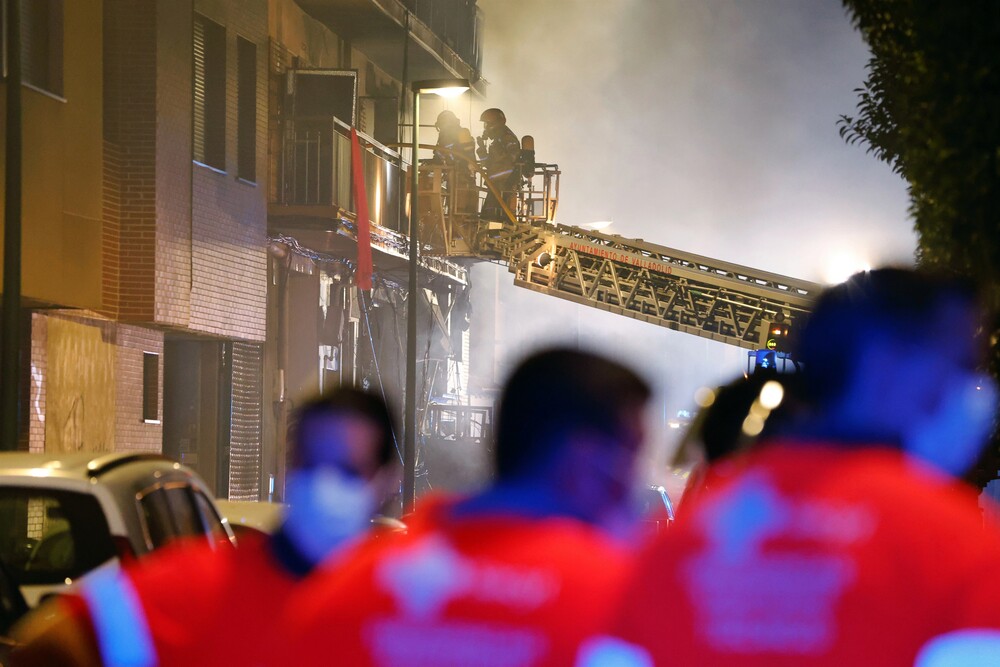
(50,535)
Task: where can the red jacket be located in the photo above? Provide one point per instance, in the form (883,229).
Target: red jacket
(497,590)
(187,605)
(811,555)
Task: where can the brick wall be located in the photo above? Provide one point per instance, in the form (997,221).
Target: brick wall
(130,165)
(173,162)
(36,519)
(111,229)
(228,258)
(131,432)
(36,396)
(184,245)
(229,216)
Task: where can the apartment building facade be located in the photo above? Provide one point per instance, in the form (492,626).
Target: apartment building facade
(189,233)
(144,253)
(337,65)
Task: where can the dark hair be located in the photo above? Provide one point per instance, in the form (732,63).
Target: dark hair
(901,305)
(718,428)
(351,402)
(557,392)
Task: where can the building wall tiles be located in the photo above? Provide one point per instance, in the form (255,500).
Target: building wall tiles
(173,162)
(132,433)
(184,245)
(36,397)
(228,215)
(130,164)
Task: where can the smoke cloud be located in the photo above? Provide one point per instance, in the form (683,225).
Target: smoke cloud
(707,126)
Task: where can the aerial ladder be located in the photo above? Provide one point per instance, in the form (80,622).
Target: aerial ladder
(698,295)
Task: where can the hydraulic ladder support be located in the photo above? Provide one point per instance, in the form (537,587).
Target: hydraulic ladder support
(671,288)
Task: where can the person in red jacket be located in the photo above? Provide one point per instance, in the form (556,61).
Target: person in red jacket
(517,575)
(192,605)
(844,539)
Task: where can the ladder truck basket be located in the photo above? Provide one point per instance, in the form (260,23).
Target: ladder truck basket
(450,201)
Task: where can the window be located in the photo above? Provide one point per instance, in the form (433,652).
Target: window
(169,512)
(209,93)
(50,536)
(246,104)
(320,94)
(41,43)
(151,387)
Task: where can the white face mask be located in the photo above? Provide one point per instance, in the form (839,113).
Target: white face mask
(952,437)
(325,508)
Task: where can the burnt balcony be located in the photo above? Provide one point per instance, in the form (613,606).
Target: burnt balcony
(316,172)
(315,200)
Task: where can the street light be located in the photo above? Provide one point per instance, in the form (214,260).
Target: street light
(443,88)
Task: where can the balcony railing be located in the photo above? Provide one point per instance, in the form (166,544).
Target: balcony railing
(316,170)
(457,22)
(468,423)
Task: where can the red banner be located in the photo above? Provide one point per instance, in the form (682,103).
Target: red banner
(363,273)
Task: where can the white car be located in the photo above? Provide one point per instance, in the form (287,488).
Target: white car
(248,515)
(64,515)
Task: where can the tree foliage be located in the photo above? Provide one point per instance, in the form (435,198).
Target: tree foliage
(930,108)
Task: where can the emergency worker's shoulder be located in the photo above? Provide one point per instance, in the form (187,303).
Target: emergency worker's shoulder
(58,632)
(928,502)
(188,580)
(187,564)
(586,559)
(935,528)
(352,564)
(342,588)
(509,139)
(572,539)
(956,549)
(356,557)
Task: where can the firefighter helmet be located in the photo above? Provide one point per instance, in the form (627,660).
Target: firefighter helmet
(493,117)
(446,119)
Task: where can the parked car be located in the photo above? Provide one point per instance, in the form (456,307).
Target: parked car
(64,515)
(251,516)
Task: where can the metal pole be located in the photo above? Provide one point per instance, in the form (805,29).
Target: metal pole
(410,443)
(401,114)
(10,367)
(406,77)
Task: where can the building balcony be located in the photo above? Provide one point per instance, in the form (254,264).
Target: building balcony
(445,35)
(316,173)
(315,200)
